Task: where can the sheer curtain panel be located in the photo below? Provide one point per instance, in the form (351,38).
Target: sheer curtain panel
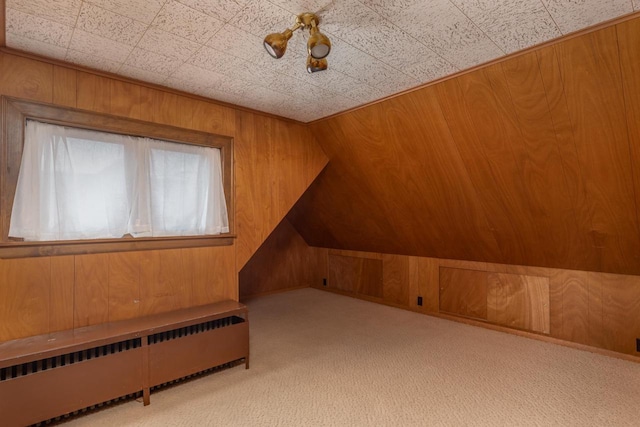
(81,184)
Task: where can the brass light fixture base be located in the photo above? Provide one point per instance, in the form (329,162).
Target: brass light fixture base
(307,20)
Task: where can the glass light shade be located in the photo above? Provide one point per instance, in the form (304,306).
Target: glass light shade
(314,65)
(276,43)
(318,45)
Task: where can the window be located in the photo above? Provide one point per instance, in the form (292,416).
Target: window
(94,183)
(81,184)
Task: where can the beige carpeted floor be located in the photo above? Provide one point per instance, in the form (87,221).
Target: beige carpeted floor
(320,359)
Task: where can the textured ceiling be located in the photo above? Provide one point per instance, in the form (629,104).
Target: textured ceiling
(214,48)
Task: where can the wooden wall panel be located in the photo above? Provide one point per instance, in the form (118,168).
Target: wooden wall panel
(214,118)
(518,301)
(125,99)
(275,163)
(463,292)
(424,281)
(167,280)
(25,78)
(214,275)
(24,297)
(91,293)
(64,86)
(628,34)
(359,275)
(124,285)
(528,161)
(395,269)
(61,294)
(93,92)
(590,70)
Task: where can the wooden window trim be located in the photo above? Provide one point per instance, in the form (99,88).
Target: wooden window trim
(14,115)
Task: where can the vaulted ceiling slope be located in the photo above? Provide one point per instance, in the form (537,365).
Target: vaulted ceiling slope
(531,161)
(214,48)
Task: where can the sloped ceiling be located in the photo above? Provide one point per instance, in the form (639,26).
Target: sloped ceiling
(214,47)
(532,161)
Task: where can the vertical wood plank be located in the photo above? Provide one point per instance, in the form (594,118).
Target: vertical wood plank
(214,275)
(621,312)
(91,293)
(124,99)
(395,272)
(628,34)
(64,86)
(463,292)
(575,305)
(124,285)
(424,282)
(61,299)
(94,92)
(165,281)
(214,118)
(595,314)
(24,297)
(26,78)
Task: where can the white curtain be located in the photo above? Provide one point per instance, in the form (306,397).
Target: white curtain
(81,184)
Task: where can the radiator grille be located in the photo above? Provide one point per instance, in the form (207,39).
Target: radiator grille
(194,329)
(24,369)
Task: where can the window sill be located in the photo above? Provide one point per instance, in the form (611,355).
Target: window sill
(76,247)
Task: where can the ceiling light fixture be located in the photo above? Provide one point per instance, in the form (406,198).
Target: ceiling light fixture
(318,45)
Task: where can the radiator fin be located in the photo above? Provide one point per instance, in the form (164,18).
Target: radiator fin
(194,329)
(29,368)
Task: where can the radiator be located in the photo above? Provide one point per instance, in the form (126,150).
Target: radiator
(59,383)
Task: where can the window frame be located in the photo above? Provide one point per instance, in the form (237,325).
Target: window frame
(14,114)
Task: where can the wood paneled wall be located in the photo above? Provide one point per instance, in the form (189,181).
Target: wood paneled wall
(275,161)
(283,262)
(528,161)
(595,309)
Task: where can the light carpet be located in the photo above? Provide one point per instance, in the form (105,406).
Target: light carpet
(320,359)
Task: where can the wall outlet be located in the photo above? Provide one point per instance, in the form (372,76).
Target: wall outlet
(324,281)
(419,300)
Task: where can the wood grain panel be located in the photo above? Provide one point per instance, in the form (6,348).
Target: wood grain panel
(549,196)
(61,295)
(275,163)
(628,34)
(522,162)
(26,78)
(620,311)
(518,301)
(283,261)
(125,99)
(214,118)
(64,86)
(463,292)
(424,281)
(590,69)
(94,92)
(214,275)
(362,276)
(91,292)
(24,297)
(167,285)
(124,285)
(395,278)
